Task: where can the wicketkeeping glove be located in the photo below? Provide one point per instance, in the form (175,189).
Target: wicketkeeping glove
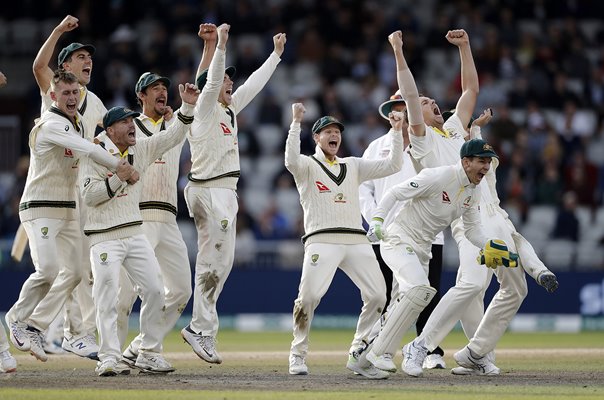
(376,231)
(496,253)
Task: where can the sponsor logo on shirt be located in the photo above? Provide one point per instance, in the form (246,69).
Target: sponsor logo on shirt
(225,129)
(314,258)
(446,198)
(322,188)
(68,153)
(414,185)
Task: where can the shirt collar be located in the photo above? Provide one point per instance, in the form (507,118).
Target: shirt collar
(462,177)
(111,147)
(143,117)
(320,155)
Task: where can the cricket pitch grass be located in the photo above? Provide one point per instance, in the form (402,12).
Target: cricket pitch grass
(533,366)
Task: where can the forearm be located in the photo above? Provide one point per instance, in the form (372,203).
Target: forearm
(256,82)
(175,133)
(409,91)
(469,75)
(97,190)
(41,69)
(209,47)
(292,146)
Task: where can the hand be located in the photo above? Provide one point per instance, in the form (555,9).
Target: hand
(3,80)
(135,177)
(496,253)
(223,35)
(396,40)
(298,111)
(458,37)
(124,170)
(279,41)
(208,32)
(376,231)
(168,113)
(484,118)
(188,93)
(69,23)
(397,120)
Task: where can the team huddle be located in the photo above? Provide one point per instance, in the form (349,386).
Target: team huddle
(99,211)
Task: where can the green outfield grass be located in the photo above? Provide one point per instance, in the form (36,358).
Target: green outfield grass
(526,371)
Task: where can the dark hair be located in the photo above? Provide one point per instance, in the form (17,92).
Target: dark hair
(61,75)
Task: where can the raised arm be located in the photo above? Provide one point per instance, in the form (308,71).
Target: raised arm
(292,144)
(469,75)
(209,34)
(407,87)
(256,81)
(42,71)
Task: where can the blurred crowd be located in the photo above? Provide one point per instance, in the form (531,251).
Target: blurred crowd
(540,63)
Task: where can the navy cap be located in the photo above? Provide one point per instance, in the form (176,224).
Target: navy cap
(324,121)
(477,148)
(67,51)
(149,78)
(203,78)
(118,114)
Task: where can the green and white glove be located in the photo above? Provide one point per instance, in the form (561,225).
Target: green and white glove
(376,231)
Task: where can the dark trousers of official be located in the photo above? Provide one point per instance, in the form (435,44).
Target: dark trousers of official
(434,277)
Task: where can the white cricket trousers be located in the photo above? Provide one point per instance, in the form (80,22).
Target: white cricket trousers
(215,213)
(321,260)
(465,300)
(171,253)
(55,249)
(3,339)
(136,255)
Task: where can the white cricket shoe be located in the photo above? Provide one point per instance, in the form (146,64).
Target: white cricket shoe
(383,362)
(365,369)
(129,356)
(7,362)
(153,362)
(548,280)
(297,365)
(434,361)
(414,354)
(19,336)
(84,346)
(52,347)
(203,346)
(481,365)
(112,368)
(36,348)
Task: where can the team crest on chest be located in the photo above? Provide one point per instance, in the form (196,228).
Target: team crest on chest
(340,198)
(322,187)
(467,201)
(446,198)
(314,258)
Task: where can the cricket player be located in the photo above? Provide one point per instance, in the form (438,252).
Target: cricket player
(49,215)
(370,194)
(79,333)
(434,144)
(334,236)
(116,236)
(434,198)
(211,192)
(158,203)
(7,361)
